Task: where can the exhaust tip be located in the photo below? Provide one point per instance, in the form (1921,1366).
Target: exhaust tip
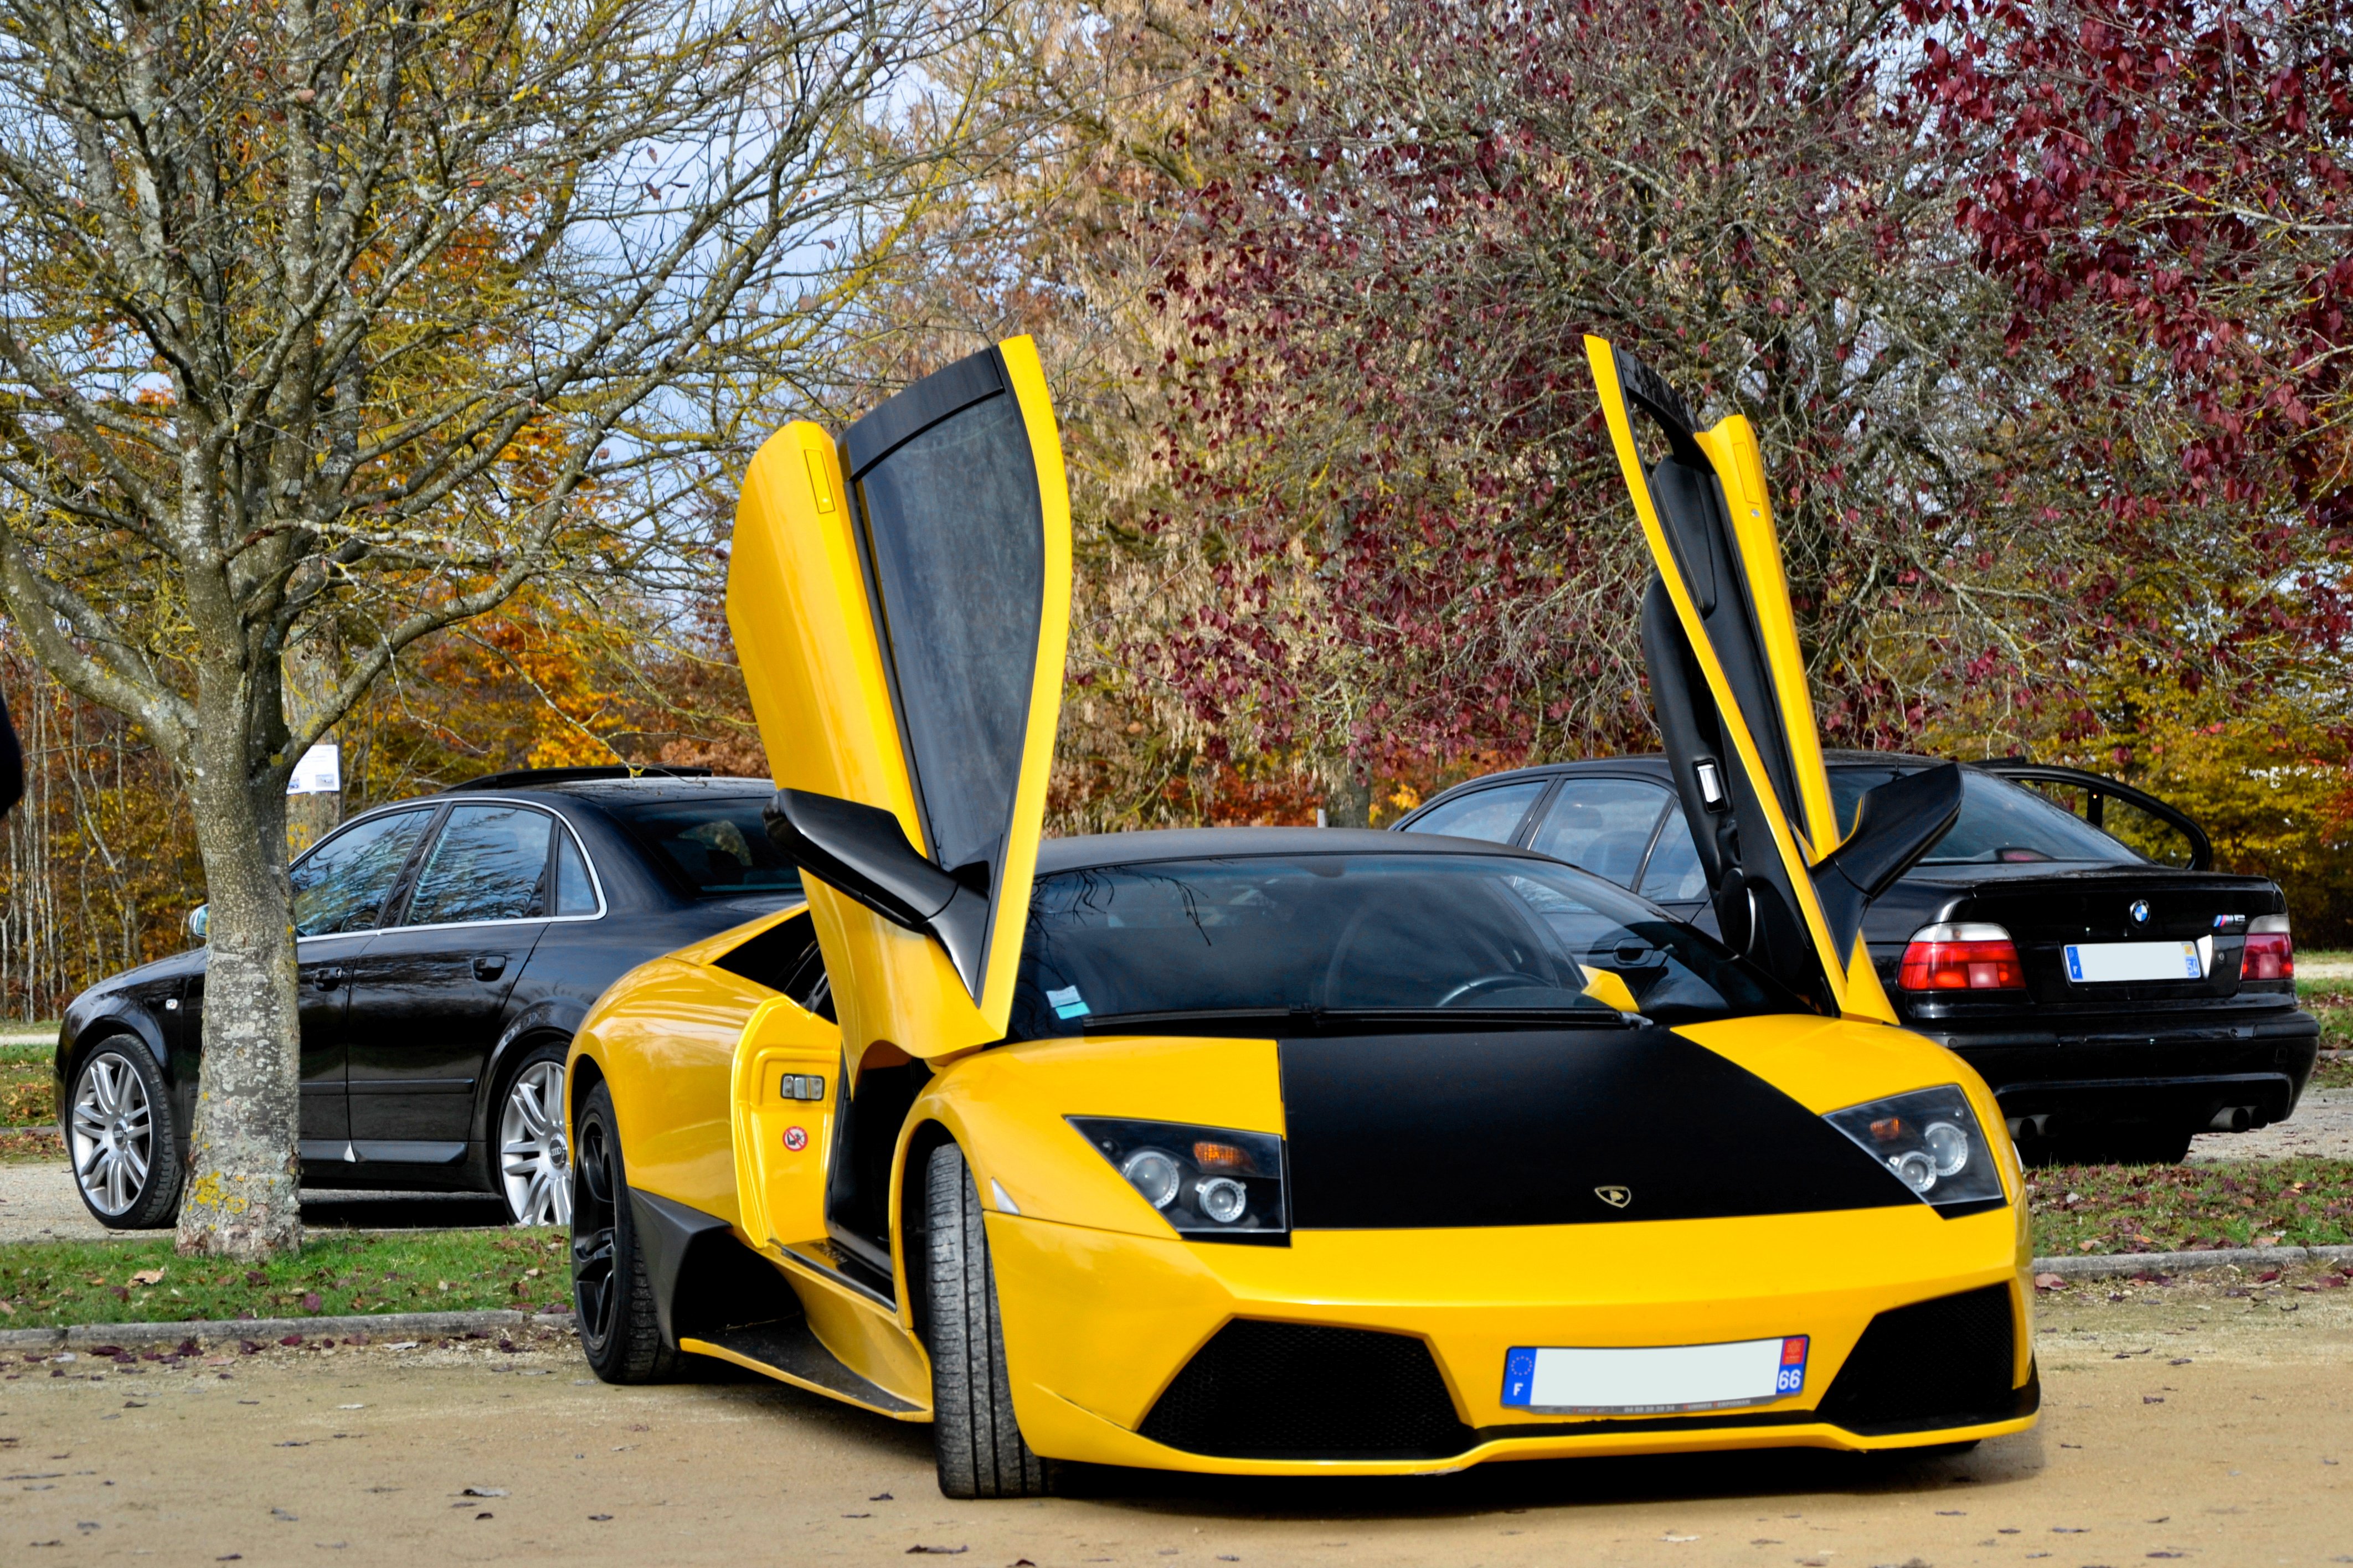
(2232,1119)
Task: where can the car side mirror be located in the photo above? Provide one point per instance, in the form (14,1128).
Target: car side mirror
(1894,825)
(861,852)
(199,919)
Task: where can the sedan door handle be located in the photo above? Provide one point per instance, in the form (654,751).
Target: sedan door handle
(328,976)
(489,965)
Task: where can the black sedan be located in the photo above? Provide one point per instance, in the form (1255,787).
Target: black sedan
(447,947)
(2118,996)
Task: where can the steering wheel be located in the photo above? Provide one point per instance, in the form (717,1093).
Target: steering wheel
(1493,982)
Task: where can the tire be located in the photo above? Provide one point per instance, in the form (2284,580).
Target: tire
(532,1153)
(126,1150)
(614,1300)
(975,1438)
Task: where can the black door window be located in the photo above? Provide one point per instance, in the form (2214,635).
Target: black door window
(489,863)
(1601,825)
(1492,814)
(575,894)
(1673,875)
(341,885)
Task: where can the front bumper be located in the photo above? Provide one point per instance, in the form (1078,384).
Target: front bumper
(2159,1072)
(1098,1324)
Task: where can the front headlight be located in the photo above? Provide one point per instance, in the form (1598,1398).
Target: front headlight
(1212,1185)
(1931,1141)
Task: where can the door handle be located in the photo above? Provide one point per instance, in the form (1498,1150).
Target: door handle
(489,965)
(328,976)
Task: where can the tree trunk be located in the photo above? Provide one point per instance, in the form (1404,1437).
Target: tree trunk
(1350,803)
(242,1199)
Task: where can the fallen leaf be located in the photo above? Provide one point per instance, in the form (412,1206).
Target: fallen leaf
(483,1491)
(148,1277)
(600,1517)
(938,1551)
(2050,1282)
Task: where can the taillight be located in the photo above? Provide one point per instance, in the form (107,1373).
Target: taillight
(1963,957)
(2270,953)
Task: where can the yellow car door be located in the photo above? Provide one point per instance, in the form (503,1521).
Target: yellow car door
(899,599)
(1735,710)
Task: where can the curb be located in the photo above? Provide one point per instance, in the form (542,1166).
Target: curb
(378,1325)
(2113,1265)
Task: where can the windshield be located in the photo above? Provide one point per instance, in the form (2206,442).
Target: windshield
(1359,933)
(1999,823)
(720,844)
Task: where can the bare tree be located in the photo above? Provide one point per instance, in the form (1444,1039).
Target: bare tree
(327,324)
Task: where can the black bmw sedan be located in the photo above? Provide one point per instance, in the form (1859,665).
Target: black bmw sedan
(447,949)
(2118,996)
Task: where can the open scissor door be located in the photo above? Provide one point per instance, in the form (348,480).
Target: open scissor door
(1735,710)
(901,601)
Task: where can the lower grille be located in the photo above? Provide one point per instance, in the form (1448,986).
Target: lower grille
(1294,1391)
(1945,1362)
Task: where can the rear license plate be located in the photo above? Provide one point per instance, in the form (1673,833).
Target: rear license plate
(1655,1379)
(2100,964)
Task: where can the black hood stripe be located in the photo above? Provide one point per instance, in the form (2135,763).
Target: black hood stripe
(1508,1128)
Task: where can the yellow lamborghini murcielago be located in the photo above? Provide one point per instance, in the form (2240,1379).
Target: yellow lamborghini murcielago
(1268,1149)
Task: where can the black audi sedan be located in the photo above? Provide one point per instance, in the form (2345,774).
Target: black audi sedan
(2117,996)
(447,947)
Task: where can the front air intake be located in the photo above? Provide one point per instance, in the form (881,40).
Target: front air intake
(1297,1390)
(1937,1364)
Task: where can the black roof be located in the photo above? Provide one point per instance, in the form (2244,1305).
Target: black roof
(537,778)
(1098,849)
(1656,763)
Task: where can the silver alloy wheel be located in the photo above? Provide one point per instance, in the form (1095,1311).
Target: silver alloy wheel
(534,1161)
(113,1133)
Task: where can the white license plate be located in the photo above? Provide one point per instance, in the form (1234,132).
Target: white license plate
(1655,1379)
(2101,963)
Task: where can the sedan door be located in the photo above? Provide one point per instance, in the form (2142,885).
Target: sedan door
(429,997)
(340,891)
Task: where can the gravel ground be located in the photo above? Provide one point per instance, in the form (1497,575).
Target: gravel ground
(2179,1421)
(2322,1127)
(38,1203)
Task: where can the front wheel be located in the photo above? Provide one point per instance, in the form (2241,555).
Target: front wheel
(118,1132)
(614,1300)
(975,1438)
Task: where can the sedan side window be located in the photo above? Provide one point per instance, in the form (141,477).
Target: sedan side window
(1674,875)
(574,893)
(1603,826)
(1490,813)
(341,885)
(489,863)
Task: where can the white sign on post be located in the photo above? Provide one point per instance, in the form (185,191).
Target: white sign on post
(321,771)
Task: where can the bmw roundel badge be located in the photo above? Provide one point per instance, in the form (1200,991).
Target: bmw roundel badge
(2140,912)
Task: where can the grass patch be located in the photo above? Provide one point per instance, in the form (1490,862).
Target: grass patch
(29,1094)
(32,1146)
(44,1283)
(2187,1209)
(2331,1001)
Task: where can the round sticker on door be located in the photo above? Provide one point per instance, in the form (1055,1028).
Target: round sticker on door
(796,1139)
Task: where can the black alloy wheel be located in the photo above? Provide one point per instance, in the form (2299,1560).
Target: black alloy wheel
(975,1438)
(619,1330)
